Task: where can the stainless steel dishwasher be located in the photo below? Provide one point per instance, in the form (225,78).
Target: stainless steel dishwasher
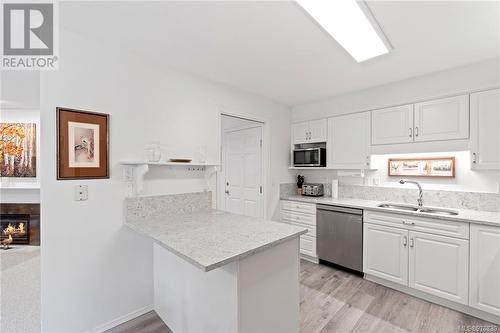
(340,236)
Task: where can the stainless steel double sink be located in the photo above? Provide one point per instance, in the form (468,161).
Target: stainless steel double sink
(417,209)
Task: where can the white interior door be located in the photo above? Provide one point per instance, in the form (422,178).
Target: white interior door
(243,175)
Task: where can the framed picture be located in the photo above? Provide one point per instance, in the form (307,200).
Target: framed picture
(82,144)
(18,150)
(422,167)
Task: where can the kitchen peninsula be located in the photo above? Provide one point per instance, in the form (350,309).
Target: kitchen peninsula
(216,271)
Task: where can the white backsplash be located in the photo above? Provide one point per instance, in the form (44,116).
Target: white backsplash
(162,206)
(439,198)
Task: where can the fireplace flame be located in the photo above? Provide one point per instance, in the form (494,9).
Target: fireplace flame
(12,230)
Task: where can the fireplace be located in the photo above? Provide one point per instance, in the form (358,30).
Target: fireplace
(17,226)
(21,222)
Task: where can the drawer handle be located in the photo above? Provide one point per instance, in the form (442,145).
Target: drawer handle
(408,223)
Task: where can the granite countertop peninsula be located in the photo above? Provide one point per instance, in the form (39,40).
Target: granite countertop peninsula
(464,215)
(210,238)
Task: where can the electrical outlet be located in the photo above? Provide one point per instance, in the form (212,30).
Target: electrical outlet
(81,192)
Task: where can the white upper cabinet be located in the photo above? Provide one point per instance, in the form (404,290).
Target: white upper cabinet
(442,119)
(392,125)
(300,132)
(484,129)
(484,293)
(318,130)
(349,141)
(309,131)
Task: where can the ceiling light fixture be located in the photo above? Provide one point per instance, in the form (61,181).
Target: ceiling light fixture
(352,25)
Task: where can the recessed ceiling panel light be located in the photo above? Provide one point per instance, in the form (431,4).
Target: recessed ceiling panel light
(351,24)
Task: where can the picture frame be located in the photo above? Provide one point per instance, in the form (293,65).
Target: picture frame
(432,167)
(82,144)
(18,150)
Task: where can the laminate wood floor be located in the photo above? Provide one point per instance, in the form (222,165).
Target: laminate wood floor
(336,301)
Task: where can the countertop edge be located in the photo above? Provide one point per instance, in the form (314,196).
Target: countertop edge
(466,219)
(221,263)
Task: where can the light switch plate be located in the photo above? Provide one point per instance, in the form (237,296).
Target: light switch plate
(81,192)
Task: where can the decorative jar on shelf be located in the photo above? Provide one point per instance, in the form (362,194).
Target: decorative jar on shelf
(153,151)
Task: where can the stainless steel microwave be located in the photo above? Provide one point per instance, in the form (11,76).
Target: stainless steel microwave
(309,157)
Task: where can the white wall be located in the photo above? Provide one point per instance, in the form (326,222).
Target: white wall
(480,76)
(19,89)
(102,270)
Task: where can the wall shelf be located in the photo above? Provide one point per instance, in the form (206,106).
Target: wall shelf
(137,163)
(309,168)
(20,187)
(135,171)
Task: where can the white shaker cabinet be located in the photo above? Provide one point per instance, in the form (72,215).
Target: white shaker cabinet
(385,253)
(392,125)
(309,131)
(300,132)
(484,293)
(484,129)
(442,119)
(349,141)
(439,265)
(302,215)
(318,130)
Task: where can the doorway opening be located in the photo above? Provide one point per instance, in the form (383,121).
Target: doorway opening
(241,177)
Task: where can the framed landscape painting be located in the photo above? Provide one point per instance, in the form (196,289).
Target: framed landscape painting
(422,167)
(82,144)
(18,150)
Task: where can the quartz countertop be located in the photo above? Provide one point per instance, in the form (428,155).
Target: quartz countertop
(464,215)
(210,238)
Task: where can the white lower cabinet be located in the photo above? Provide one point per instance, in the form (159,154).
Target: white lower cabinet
(308,245)
(385,253)
(439,265)
(484,293)
(397,249)
(302,215)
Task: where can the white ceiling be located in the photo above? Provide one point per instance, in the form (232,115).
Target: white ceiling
(272,48)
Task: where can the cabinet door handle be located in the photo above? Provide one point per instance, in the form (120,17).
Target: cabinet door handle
(474,158)
(411,132)
(412,242)
(416,131)
(405,241)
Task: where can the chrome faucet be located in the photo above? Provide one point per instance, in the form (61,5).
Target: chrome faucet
(420,192)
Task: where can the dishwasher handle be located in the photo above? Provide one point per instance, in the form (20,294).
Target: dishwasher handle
(339,209)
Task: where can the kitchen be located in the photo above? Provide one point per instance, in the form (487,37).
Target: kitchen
(230,178)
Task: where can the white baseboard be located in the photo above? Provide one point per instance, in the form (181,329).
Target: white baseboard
(122,319)
(309,258)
